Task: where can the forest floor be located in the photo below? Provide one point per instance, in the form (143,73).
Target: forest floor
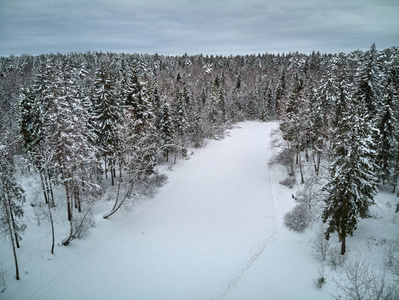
(215,230)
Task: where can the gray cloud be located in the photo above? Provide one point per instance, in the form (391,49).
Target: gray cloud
(211,27)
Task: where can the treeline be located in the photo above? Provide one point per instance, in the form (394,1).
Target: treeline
(346,120)
(80,118)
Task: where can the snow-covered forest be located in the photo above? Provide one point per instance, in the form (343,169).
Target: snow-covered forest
(79,130)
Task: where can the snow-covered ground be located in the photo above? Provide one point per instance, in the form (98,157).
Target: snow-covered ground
(214,231)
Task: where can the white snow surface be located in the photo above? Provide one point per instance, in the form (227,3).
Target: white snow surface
(214,231)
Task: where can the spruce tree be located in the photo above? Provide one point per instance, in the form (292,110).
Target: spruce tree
(281,94)
(323,108)
(166,130)
(368,80)
(180,119)
(386,123)
(105,115)
(270,104)
(136,134)
(353,181)
(76,155)
(293,125)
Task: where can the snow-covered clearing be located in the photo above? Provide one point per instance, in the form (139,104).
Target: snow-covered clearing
(214,231)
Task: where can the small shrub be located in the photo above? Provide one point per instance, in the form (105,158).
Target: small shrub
(392,258)
(298,218)
(336,258)
(319,282)
(321,245)
(289,182)
(149,185)
(83,223)
(311,194)
(321,279)
(361,282)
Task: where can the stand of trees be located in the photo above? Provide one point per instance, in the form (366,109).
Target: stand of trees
(345,114)
(81,118)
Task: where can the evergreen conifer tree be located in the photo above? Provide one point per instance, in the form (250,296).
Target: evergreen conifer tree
(368,80)
(105,115)
(386,123)
(353,181)
(166,130)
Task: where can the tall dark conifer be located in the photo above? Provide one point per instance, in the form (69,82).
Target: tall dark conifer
(368,80)
(386,123)
(353,183)
(166,130)
(105,115)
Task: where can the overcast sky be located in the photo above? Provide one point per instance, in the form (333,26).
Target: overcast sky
(197,26)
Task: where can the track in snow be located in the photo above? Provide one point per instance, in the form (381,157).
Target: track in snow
(251,256)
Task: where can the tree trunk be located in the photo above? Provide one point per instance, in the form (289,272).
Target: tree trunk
(105,166)
(46,184)
(118,204)
(10,228)
(66,176)
(52,227)
(43,186)
(318,163)
(78,200)
(13,224)
(314,162)
(71,226)
(291,172)
(51,189)
(68,198)
(300,167)
(117,194)
(343,245)
(111,166)
(78,229)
